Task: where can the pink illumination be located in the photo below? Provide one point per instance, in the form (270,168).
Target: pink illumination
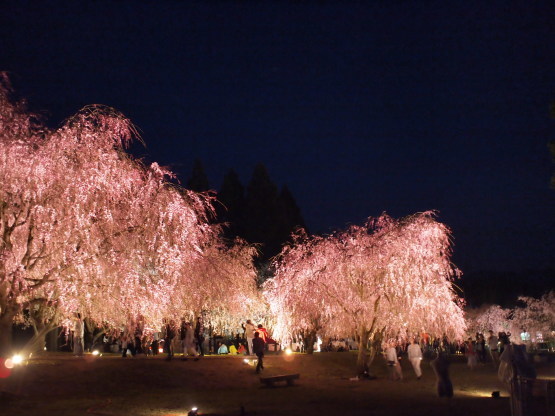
(389,278)
(87,228)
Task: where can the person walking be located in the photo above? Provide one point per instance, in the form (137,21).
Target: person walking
(493,346)
(395,371)
(441,369)
(258,348)
(415,357)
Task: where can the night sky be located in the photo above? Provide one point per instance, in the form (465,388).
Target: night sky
(358,107)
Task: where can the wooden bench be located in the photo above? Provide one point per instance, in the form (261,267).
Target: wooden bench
(288,378)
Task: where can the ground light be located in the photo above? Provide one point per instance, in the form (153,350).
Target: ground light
(17,359)
(288,351)
(193,412)
(12,362)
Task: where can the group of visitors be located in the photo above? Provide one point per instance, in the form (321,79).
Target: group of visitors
(414,353)
(476,349)
(190,341)
(502,353)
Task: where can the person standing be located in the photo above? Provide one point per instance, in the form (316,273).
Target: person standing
(503,341)
(182,334)
(189,343)
(415,357)
(470,352)
(249,335)
(169,335)
(199,336)
(493,348)
(78,335)
(395,371)
(258,348)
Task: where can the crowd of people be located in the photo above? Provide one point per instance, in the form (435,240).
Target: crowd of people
(495,349)
(194,341)
(197,340)
(184,339)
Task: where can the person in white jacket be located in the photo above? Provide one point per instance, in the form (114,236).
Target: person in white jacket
(395,371)
(189,343)
(78,335)
(250,329)
(415,357)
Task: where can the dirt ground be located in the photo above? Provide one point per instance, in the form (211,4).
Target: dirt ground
(60,384)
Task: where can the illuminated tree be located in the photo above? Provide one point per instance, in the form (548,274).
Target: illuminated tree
(492,317)
(388,278)
(85,227)
(535,315)
(220,286)
(531,315)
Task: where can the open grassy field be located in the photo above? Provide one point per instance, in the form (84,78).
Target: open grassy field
(59,384)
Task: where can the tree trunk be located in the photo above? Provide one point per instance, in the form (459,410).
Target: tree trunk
(309,339)
(38,342)
(6,324)
(363,359)
(375,346)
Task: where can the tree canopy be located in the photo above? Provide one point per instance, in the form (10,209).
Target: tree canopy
(86,228)
(387,278)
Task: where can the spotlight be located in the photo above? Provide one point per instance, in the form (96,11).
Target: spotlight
(17,359)
(95,353)
(288,351)
(12,362)
(246,361)
(193,412)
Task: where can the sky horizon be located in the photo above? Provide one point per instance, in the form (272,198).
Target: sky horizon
(358,107)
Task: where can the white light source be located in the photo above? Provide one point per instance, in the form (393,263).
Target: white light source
(288,351)
(17,359)
(95,352)
(193,412)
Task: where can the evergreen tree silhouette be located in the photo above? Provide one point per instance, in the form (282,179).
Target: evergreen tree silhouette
(261,211)
(289,215)
(198,181)
(260,215)
(230,208)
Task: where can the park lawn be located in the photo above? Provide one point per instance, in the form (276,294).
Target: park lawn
(60,384)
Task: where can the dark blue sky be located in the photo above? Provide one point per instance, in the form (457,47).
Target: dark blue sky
(359,107)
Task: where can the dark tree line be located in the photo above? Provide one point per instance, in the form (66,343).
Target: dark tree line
(259,213)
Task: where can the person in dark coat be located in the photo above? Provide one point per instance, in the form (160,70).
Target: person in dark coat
(258,348)
(441,368)
(199,336)
(169,335)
